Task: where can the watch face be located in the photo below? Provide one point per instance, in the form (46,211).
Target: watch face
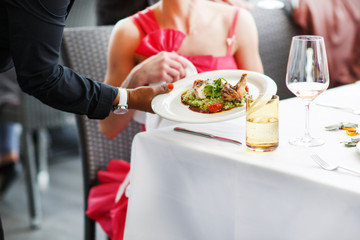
(120,110)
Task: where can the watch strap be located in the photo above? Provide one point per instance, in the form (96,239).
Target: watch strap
(122,106)
(123,97)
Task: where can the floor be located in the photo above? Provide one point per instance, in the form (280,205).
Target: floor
(62,203)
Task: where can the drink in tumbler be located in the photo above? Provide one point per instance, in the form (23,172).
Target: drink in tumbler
(262,124)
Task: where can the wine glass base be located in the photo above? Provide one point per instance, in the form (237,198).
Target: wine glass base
(306,142)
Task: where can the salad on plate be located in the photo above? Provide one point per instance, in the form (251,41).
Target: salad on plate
(213,96)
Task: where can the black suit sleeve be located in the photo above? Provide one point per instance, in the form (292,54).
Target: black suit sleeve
(34,31)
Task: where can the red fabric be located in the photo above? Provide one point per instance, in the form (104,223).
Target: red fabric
(101,201)
(156,39)
(338,21)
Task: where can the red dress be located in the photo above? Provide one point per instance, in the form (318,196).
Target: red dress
(156,39)
(107,202)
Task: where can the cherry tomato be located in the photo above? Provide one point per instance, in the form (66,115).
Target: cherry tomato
(247,88)
(198,82)
(215,107)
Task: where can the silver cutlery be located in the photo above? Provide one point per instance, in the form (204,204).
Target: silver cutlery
(207,135)
(351,110)
(329,166)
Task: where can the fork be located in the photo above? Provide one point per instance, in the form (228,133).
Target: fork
(330,167)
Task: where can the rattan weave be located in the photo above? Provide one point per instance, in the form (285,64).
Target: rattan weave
(85,51)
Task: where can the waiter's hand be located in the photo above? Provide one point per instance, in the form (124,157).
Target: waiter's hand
(140,98)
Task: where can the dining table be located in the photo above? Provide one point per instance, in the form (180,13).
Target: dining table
(184,186)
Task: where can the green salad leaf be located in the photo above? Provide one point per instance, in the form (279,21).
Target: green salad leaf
(213,89)
(352,143)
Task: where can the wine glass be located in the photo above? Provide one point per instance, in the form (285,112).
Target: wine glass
(307,76)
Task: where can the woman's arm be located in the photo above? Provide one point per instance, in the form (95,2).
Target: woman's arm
(247,53)
(121,60)
(124,71)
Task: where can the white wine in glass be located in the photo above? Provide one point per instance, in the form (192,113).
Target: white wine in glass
(307,76)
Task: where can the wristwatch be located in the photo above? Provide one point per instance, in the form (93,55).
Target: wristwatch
(122,107)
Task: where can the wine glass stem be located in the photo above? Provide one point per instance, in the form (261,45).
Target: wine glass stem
(307,116)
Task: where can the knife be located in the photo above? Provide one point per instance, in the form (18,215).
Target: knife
(208,135)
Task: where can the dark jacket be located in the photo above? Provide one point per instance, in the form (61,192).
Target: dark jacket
(30,39)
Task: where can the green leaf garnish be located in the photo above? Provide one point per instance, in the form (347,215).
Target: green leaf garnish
(334,127)
(213,89)
(352,143)
(341,125)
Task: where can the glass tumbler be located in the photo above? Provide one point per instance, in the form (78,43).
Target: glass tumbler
(262,122)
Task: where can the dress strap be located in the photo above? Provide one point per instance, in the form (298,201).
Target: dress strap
(231,38)
(145,21)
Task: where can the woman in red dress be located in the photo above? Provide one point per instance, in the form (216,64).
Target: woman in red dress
(211,35)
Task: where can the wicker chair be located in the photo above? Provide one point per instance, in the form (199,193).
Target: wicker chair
(35,118)
(275,28)
(85,51)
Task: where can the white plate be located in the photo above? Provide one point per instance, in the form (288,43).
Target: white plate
(190,69)
(169,105)
(358,146)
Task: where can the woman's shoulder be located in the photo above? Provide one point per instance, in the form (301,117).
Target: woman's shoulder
(126,27)
(244,19)
(124,37)
(227,11)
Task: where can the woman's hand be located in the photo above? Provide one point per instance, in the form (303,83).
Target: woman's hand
(140,98)
(163,67)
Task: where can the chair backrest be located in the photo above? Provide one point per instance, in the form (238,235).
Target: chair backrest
(35,114)
(17,106)
(276,29)
(85,51)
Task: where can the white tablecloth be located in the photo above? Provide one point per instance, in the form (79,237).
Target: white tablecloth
(190,187)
